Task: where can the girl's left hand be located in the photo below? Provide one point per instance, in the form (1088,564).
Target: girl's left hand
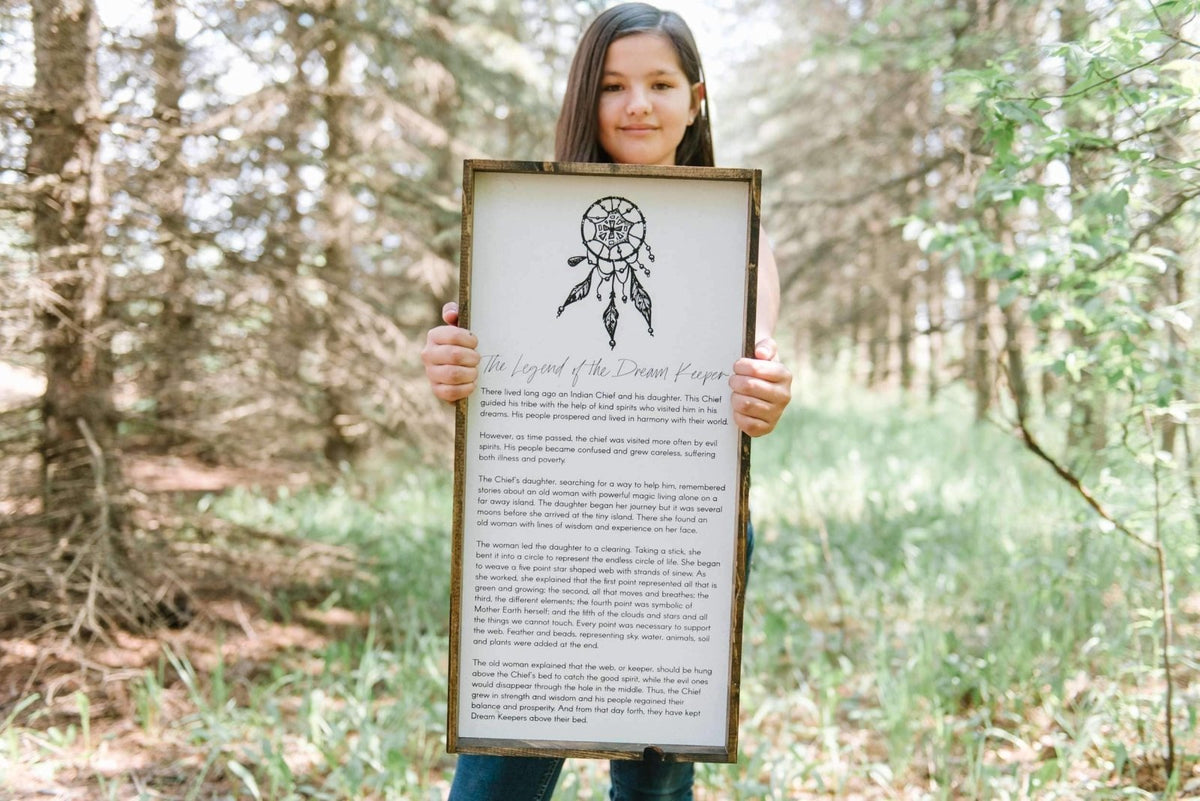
(762,389)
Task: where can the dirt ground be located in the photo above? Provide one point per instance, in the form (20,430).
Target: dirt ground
(122,755)
(116,755)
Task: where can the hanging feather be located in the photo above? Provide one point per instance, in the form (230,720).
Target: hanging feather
(575,260)
(580,290)
(610,320)
(641,300)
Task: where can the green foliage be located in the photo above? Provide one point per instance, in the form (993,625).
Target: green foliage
(1085,217)
(395,517)
(926,584)
(930,613)
(370,719)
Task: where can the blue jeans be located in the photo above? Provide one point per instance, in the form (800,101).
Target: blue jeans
(501,778)
(497,778)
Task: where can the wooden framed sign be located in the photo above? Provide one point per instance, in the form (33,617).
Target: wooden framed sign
(600,484)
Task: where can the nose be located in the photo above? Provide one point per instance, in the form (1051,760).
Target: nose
(639,102)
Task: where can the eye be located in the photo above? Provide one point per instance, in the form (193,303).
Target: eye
(663,86)
(610,87)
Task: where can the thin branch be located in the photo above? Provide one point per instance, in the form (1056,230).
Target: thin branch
(100,474)
(1174,35)
(919,171)
(1115,144)
(1110,79)
(1164,596)
(1063,472)
(1151,227)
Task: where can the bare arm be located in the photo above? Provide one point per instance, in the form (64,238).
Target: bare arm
(767,310)
(762,386)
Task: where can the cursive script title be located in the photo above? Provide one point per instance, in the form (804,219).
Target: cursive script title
(597,368)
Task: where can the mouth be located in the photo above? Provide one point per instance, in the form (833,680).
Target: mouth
(638,129)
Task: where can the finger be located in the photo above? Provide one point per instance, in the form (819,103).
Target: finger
(451,382)
(451,375)
(757,408)
(763,379)
(763,404)
(452,392)
(435,355)
(766,349)
(755,414)
(758,403)
(457,368)
(762,368)
(753,426)
(450,313)
(449,335)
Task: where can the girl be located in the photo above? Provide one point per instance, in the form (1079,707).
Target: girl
(635,95)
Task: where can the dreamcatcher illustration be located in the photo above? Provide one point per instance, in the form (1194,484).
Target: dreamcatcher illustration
(614,232)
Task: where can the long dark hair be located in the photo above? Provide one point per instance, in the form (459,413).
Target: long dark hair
(577,137)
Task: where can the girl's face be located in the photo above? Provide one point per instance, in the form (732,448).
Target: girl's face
(646,102)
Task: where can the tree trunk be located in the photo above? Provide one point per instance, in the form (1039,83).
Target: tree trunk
(447,167)
(877,311)
(81,480)
(1013,319)
(98,583)
(1049,383)
(904,340)
(935,305)
(177,337)
(877,343)
(283,246)
(855,319)
(339,206)
(1016,360)
(1087,425)
(981,360)
(1174,285)
(1175,289)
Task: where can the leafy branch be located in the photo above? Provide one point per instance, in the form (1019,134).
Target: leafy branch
(1155,546)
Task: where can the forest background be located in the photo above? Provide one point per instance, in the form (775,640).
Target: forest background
(226,226)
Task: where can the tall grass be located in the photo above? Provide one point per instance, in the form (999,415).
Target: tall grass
(937,609)
(369,713)
(931,614)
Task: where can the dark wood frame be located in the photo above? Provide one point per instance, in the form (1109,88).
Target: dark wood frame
(602,750)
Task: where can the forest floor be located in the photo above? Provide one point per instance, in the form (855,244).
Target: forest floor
(120,752)
(89,736)
(921,624)
(104,730)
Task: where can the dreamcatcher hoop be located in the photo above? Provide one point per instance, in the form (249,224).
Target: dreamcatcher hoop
(613,230)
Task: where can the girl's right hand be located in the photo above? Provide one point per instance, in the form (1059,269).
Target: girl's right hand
(451,358)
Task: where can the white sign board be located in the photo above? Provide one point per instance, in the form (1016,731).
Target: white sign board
(600,485)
